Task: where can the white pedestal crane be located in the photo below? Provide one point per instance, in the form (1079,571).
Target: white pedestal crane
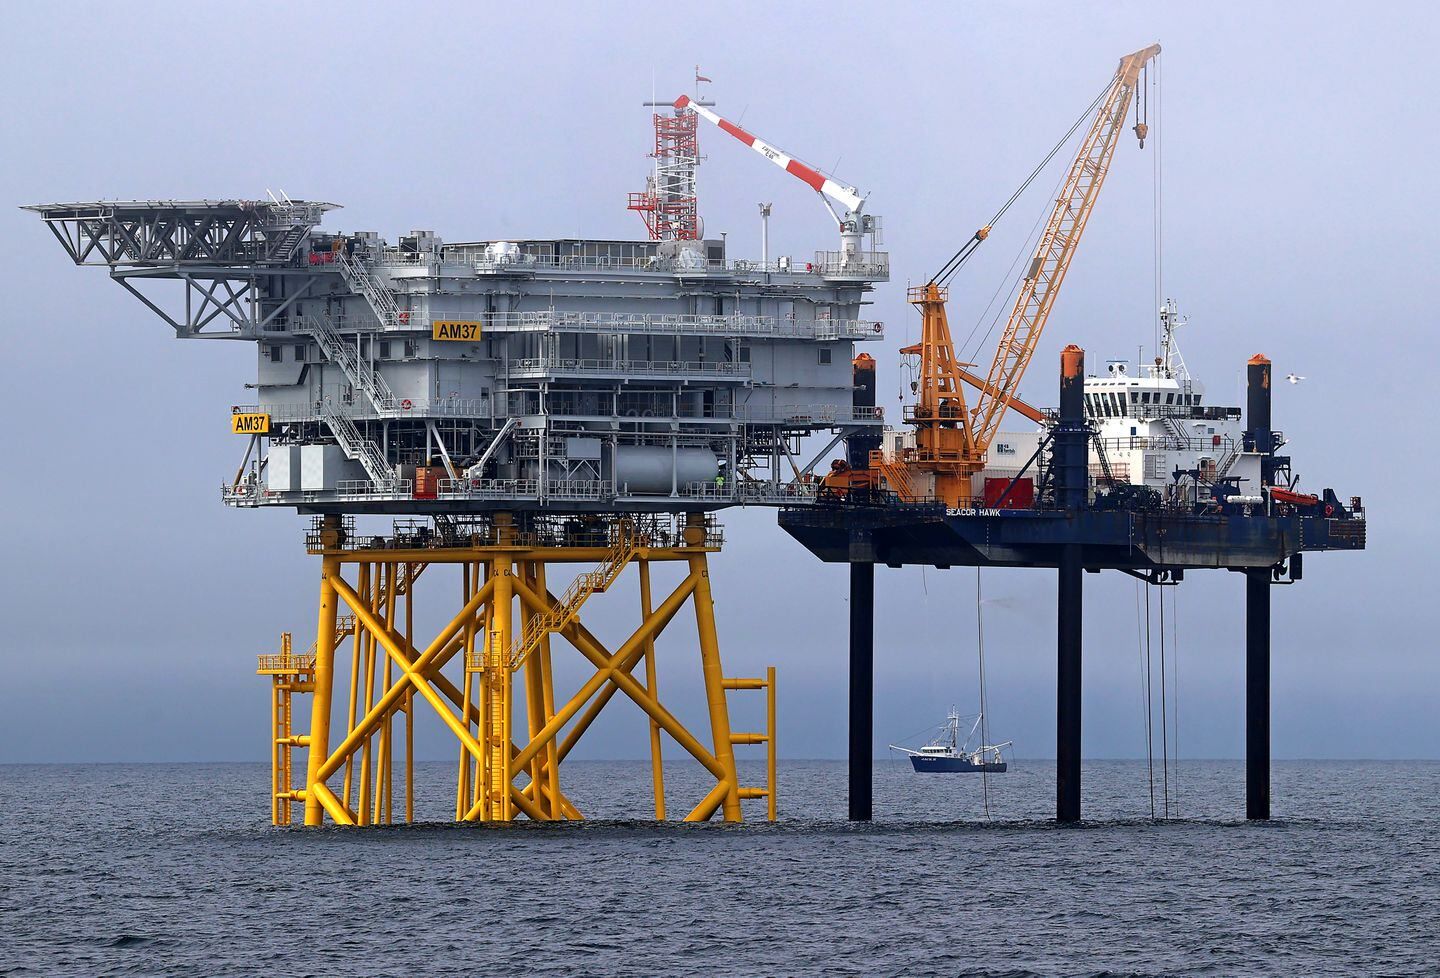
(854,224)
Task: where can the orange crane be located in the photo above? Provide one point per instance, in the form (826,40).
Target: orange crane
(951,436)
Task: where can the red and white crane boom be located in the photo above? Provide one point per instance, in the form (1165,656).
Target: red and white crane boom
(847,197)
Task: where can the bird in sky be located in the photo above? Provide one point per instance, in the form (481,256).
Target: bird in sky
(1294,378)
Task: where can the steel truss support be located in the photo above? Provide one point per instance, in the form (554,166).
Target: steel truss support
(499,701)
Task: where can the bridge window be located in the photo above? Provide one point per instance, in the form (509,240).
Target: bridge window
(825,354)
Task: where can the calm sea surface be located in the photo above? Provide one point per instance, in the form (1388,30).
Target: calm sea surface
(151,869)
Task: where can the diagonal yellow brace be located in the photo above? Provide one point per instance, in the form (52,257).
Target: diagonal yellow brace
(409,670)
(419,667)
(615,669)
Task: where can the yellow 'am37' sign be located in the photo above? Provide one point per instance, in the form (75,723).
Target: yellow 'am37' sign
(462,330)
(250,424)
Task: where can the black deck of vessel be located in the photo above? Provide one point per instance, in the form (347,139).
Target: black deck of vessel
(1162,539)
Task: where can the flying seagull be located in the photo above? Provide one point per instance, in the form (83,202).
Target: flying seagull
(1294,378)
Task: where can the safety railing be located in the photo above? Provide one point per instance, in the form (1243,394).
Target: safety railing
(685,325)
(282,662)
(476,407)
(1171,443)
(809,414)
(535,366)
(859,265)
(488,488)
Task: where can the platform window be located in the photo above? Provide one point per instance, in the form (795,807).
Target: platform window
(1170,398)
(384,349)
(744,354)
(299,352)
(825,354)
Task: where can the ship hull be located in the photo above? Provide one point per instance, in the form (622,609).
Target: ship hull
(954,765)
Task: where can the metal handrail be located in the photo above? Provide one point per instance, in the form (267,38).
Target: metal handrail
(853,264)
(548,364)
(474,407)
(809,413)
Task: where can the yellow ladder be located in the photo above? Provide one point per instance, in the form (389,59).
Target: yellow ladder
(289,674)
(767,738)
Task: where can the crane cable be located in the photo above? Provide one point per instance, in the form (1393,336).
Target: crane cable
(984,706)
(1144,642)
(1164,712)
(943,276)
(1175,660)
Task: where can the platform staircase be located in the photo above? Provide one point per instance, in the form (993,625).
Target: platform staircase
(364,282)
(359,448)
(362,375)
(566,610)
(895,474)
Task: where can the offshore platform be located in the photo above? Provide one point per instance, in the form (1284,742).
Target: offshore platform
(530,407)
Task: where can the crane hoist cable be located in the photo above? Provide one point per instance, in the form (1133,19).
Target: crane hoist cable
(968,248)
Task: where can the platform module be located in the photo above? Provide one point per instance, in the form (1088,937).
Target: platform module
(424,376)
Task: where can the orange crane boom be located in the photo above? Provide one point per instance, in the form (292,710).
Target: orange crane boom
(1057,246)
(952,438)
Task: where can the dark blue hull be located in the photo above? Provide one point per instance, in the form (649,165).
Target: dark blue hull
(952,765)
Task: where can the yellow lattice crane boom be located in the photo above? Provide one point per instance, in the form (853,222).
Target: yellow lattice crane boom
(952,437)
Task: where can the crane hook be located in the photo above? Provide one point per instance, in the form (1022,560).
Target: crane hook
(1142,130)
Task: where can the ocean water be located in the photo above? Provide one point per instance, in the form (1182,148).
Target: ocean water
(165,869)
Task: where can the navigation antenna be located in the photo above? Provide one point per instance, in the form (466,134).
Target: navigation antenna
(1172,364)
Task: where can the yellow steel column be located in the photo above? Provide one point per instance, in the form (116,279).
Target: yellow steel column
(462,774)
(657,771)
(383,775)
(409,701)
(353,715)
(710,666)
(534,700)
(366,590)
(275,748)
(771,804)
(480,789)
(497,675)
(319,737)
(547,707)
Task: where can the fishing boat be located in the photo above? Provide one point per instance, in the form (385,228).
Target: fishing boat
(947,755)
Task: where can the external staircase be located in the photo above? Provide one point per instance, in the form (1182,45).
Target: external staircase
(358,447)
(363,282)
(362,375)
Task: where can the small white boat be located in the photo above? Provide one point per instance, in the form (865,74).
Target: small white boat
(946,754)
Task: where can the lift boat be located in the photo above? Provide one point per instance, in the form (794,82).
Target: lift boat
(947,755)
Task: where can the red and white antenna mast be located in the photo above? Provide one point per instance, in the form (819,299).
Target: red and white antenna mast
(669,203)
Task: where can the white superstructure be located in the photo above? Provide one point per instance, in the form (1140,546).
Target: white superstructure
(1153,427)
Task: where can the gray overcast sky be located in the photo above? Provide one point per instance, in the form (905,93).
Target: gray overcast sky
(1299,148)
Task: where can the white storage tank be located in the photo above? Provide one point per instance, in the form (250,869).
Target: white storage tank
(646,469)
